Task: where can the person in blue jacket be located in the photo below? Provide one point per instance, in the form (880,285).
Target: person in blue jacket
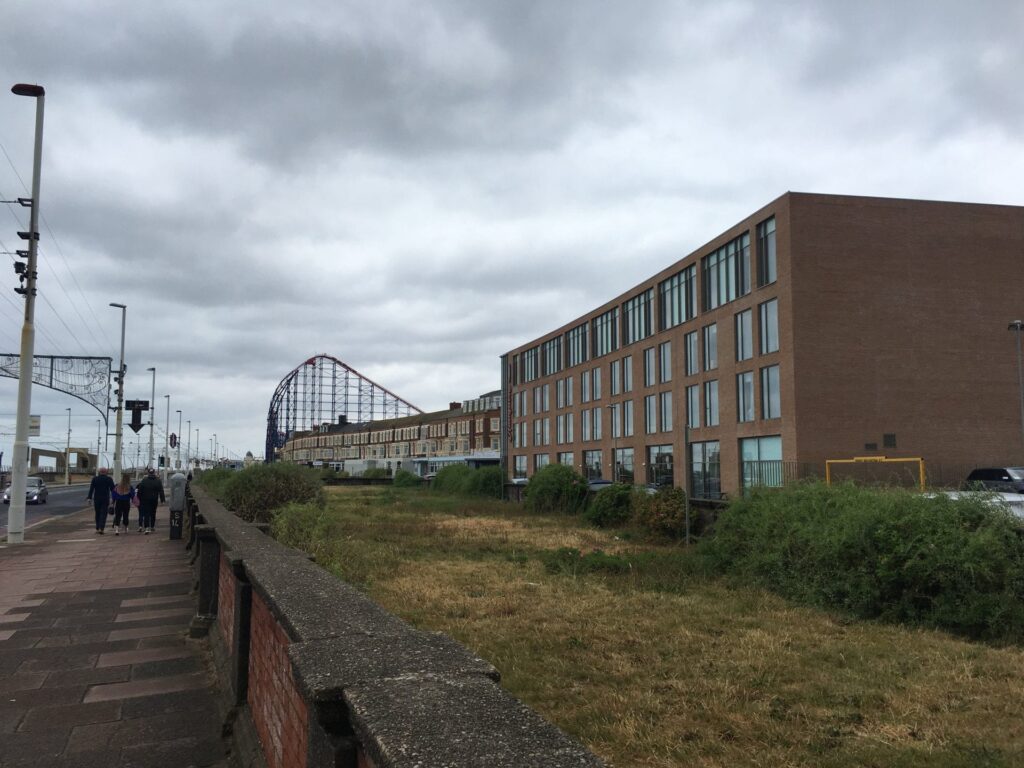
(123,494)
(99,492)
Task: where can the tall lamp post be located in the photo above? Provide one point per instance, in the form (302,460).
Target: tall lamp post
(199,450)
(119,421)
(188,446)
(152,413)
(216,461)
(19,464)
(67,453)
(1018,326)
(177,460)
(167,437)
(99,441)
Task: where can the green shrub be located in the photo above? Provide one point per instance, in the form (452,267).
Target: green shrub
(486,481)
(571,562)
(406,479)
(214,480)
(375,473)
(255,493)
(452,479)
(895,555)
(664,513)
(611,506)
(556,488)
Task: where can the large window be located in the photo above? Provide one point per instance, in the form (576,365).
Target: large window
(624,465)
(560,393)
(710,347)
(540,460)
(744,335)
(585,423)
(771,400)
(596,383)
(725,273)
(551,353)
(615,419)
(711,403)
(678,298)
(531,364)
(627,418)
(585,387)
(693,406)
(519,468)
(627,373)
(606,337)
(666,411)
(614,377)
(566,458)
(745,396)
(650,414)
(649,370)
(769,322)
(767,268)
(692,360)
(659,465)
(592,465)
(706,478)
(636,317)
(762,461)
(665,362)
(597,423)
(576,345)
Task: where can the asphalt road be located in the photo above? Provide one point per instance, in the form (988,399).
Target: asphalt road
(62,500)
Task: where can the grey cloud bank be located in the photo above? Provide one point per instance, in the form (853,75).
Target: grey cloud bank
(415,187)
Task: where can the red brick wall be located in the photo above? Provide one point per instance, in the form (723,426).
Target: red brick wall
(278,711)
(226,602)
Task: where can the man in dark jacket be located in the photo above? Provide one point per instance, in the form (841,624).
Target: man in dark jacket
(99,491)
(150,493)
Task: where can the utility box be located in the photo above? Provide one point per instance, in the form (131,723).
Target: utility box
(177,504)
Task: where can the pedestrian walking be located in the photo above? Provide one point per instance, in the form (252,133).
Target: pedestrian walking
(99,492)
(123,494)
(150,492)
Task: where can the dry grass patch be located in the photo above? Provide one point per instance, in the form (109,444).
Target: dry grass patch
(696,675)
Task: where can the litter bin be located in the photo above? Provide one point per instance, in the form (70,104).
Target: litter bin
(177,504)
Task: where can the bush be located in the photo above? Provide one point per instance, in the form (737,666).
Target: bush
(255,493)
(611,506)
(214,480)
(571,562)
(556,488)
(375,473)
(895,555)
(459,478)
(486,481)
(664,513)
(406,479)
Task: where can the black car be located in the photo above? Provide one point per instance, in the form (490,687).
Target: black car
(1000,479)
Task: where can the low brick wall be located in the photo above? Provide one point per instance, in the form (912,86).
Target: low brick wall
(316,674)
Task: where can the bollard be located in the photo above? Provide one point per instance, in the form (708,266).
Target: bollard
(177,504)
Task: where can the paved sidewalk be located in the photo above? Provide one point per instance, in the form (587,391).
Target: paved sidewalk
(95,667)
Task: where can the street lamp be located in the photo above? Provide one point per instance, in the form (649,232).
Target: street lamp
(167,437)
(99,440)
(177,460)
(67,453)
(19,464)
(119,422)
(216,461)
(188,446)
(1018,326)
(152,413)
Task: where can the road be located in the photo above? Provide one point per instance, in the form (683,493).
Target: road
(62,500)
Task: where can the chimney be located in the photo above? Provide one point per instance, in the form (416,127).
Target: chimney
(454,406)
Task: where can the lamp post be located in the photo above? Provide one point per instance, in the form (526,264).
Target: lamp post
(99,440)
(19,464)
(199,450)
(152,413)
(177,460)
(216,462)
(167,437)
(67,453)
(119,421)
(188,446)
(1018,326)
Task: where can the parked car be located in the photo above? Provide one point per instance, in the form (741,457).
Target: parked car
(35,491)
(598,484)
(1000,479)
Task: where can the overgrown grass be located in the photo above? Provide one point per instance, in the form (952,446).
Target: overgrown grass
(652,662)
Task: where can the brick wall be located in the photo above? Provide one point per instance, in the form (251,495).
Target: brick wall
(226,602)
(279,713)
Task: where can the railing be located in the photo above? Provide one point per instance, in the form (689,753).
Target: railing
(316,674)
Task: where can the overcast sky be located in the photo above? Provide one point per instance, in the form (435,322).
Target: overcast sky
(416,187)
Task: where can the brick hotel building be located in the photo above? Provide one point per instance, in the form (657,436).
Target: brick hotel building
(819,327)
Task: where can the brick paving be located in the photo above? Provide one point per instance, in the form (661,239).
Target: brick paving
(95,665)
